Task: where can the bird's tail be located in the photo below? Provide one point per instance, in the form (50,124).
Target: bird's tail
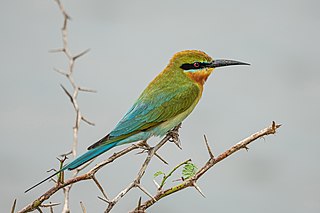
(90,154)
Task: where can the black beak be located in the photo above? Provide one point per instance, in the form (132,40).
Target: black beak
(224,62)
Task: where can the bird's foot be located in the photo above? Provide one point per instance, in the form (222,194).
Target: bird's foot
(174,134)
(144,146)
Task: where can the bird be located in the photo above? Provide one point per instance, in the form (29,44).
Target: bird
(164,104)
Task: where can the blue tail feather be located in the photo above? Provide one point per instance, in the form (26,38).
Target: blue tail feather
(90,154)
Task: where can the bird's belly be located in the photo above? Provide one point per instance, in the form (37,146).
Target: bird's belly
(163,128)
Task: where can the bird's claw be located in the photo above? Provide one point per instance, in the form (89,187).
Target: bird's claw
(174,134)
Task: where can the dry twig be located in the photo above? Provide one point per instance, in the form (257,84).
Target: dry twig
(90,175)
(210,163)
(191,182)
(73,95)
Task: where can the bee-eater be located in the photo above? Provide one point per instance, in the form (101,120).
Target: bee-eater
(164,104)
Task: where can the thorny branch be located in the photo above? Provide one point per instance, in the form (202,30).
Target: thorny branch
(192,182)
(90,175)
(172,135)
(72,95)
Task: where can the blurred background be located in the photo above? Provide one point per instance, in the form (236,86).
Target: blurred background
(131,42)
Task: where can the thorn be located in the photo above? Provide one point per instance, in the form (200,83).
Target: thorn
(86,90)
(87,121)
(68,94)
(146,192)
(83,207)
(51,209)
(50,170)
(208,147)
(275,126)
(155,183)
(161,158)
(39,210)
(139,203)
(105,200)
(180,179)
(14,205)
(80,54)
(99,186)
(60,71)
(49,205)
(56,50)
(198,189)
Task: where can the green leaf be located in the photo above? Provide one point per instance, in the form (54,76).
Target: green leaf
(158,173)
(189,170)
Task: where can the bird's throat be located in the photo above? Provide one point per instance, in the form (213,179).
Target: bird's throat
(200,77)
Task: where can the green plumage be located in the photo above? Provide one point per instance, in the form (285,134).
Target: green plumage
(165,103)
(168,95)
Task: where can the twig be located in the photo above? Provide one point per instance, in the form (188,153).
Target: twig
(73,95)
(191,182)
(208,147)
(136,183)
(161,194)
(87,176)
(100,187)
(165,177)
(50,205)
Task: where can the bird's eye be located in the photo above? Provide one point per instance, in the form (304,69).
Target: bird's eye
(196,64)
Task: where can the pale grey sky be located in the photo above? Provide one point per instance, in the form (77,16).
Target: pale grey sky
(131,42)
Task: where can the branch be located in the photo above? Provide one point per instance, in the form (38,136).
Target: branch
(210,163)
(90,175)
(74,94)
(136,183)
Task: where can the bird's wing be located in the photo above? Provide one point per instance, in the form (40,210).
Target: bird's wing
(151,109)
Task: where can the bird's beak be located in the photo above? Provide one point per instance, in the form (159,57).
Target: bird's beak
(224,62)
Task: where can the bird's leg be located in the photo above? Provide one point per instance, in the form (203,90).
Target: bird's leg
(143,145)
(146,148)
(174,134)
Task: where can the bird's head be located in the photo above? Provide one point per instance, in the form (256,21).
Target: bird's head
(198,65)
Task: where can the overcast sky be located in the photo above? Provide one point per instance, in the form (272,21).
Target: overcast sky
(131,42)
